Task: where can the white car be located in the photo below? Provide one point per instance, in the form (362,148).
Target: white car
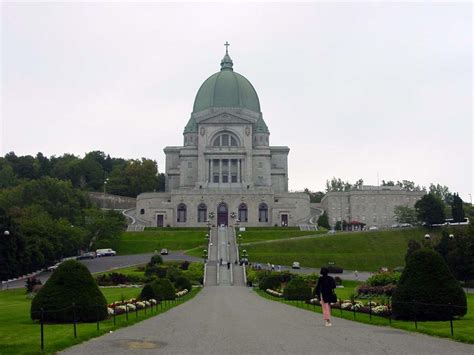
(373,228)
(296,265)
(105,252)
(54,267)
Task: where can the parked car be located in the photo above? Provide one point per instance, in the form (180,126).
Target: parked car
(53,267)
(373,228)
(296,265)
(164,251)
(105,252)
(90,255)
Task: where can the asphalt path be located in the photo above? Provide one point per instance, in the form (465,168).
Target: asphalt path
(109,263)
(345,275)
(235,320)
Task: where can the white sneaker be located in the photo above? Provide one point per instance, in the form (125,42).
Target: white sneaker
(328,324)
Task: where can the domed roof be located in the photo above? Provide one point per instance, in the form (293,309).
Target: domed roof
(226,89)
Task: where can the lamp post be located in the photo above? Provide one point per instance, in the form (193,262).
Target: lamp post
(5,235)
(103,199)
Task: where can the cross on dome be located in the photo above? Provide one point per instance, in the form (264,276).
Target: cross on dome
(226,44)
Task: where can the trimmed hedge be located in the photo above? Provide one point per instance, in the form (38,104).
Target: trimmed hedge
(272,282)
(164,289)
(297,289)
(427,280)
(182,283)
(147,293)
(70,283)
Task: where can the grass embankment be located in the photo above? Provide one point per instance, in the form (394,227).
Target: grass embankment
(149,241)
(20,335)
(252,235)
(463,328)
(260,234)
(353,250)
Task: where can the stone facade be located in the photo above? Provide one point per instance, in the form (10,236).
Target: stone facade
(371,205)
(226,169)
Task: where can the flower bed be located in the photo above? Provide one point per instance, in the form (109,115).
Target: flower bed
(120,307)
(273,293)
(182,293)
(360,307)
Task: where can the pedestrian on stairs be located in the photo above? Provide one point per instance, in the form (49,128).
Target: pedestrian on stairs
(324,291)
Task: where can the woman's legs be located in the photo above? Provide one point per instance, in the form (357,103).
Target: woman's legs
(326,311)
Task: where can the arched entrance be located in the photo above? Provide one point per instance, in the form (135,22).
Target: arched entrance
(222,214)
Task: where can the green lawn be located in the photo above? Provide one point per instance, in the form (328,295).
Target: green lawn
(20,335)
(463,328)
(353,251)
(258,235)
(149,241)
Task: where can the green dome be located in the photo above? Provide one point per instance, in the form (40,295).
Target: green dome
(226,89)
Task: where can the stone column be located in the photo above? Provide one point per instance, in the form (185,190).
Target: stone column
(238,171)
(220,171)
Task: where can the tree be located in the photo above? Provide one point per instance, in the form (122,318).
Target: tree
(405,214)
(71,283)
(323,221)
(427,290)
(388,183)
(430,209)
(457,208)
(314,197)
(297,289)
(7,175)
(413,246)
(336,184)
(458,251)
(441,192)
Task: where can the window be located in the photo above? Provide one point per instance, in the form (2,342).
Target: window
(263,213)
(202,213)
(243,213)
(142,211)
(215,178)
(225,177)
(225,140)
(234,177)
(181,216)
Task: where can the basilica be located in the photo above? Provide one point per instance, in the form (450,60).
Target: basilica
(226,172)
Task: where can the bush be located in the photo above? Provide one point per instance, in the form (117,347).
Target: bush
(164,289)
(367,290)
(427,279)
(184,265)
(338,280)
(297,289)
(182,283)
(384,278)
(70,283)
(147,293)
(155,260)
(173,273)
(195,273)
(271,282)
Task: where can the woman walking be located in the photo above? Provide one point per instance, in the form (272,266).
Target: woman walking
(324,291)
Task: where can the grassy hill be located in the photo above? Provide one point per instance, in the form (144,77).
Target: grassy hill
(366,251)
(151,240)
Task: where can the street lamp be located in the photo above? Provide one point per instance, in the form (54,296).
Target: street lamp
(103,199)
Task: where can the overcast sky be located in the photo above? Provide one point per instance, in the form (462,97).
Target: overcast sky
(355,90)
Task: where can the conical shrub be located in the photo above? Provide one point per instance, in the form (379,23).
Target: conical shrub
(71,283)
(427,289)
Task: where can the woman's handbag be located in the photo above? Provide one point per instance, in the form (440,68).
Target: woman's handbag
(333,297)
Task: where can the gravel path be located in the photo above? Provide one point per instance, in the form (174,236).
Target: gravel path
(235,320)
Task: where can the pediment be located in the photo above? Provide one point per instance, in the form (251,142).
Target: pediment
(226,118)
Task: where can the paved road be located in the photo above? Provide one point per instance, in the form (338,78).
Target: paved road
(111,263)
(234,320)
(346,275)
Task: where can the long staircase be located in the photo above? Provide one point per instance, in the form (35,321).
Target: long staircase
(221,267)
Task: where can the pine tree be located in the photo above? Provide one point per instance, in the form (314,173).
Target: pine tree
(457,209)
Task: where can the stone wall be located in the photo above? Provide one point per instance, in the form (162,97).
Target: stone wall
(114,202)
